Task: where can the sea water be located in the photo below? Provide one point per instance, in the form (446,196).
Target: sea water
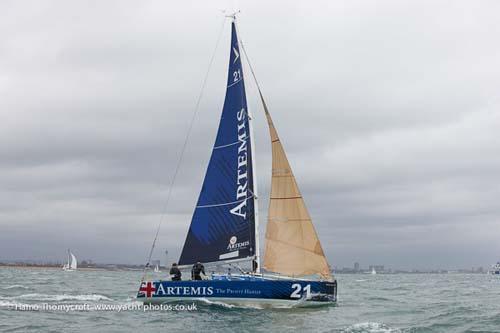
(51,300)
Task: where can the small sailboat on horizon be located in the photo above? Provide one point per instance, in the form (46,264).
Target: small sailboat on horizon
(495,269)
(71,264)
(224,228)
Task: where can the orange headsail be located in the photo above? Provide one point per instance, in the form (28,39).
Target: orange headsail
(292,245)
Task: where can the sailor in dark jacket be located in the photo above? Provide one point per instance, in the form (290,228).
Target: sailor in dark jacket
(175,272)
(196,270)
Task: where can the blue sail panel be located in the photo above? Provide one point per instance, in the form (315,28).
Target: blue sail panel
(223,223)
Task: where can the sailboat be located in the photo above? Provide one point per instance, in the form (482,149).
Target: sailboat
(373,272)
(71,264)
(224,228)
(495,269)
(157,269)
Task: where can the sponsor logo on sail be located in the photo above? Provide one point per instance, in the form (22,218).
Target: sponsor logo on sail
(242,179)
(233,245)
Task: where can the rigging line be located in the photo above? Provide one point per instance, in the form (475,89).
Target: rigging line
(186,140)
(256,232)
(251,67)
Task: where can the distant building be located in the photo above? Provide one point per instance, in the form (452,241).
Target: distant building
(377,268)
(86,263)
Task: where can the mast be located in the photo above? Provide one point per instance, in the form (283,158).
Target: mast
(254,167)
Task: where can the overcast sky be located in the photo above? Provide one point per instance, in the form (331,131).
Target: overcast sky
(389,112)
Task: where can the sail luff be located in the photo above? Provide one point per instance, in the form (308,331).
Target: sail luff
(292,244)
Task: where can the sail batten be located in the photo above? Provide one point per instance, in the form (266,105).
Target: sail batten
(292,245)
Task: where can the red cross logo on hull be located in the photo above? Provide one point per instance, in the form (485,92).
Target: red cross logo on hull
(148,289)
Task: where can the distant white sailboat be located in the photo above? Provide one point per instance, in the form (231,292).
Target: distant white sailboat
(495,269)
(157,269)
(71,265)
(373,271)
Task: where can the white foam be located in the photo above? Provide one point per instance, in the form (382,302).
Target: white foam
(131,303)
(250,305)
(6,304)
(9,304)
(370,328)
(122,306)
(232,306)
(229,306)
(16,286)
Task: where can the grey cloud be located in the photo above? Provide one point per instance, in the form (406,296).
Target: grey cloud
(388,112)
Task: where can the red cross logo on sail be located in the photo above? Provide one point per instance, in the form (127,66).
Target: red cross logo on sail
(147,288)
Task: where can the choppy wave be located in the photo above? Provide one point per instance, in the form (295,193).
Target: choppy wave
(15,286)
(370,328)
(15,305)
(217,303)
(4,304)
(388,304)
(253,306)
(63,297)
(11,304)
(259,306)
(381,299)
(132,303)
(122,305)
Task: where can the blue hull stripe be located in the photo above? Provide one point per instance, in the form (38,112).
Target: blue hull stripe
(259,289)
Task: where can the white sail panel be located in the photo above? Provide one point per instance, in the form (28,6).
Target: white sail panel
(73,264)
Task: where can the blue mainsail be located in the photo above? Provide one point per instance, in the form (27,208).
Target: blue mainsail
(223,223)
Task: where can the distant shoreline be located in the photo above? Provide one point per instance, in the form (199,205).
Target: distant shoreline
(59,267)
(49,267)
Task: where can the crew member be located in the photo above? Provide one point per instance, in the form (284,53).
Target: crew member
(255,265)
(196,270)
(175,272)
